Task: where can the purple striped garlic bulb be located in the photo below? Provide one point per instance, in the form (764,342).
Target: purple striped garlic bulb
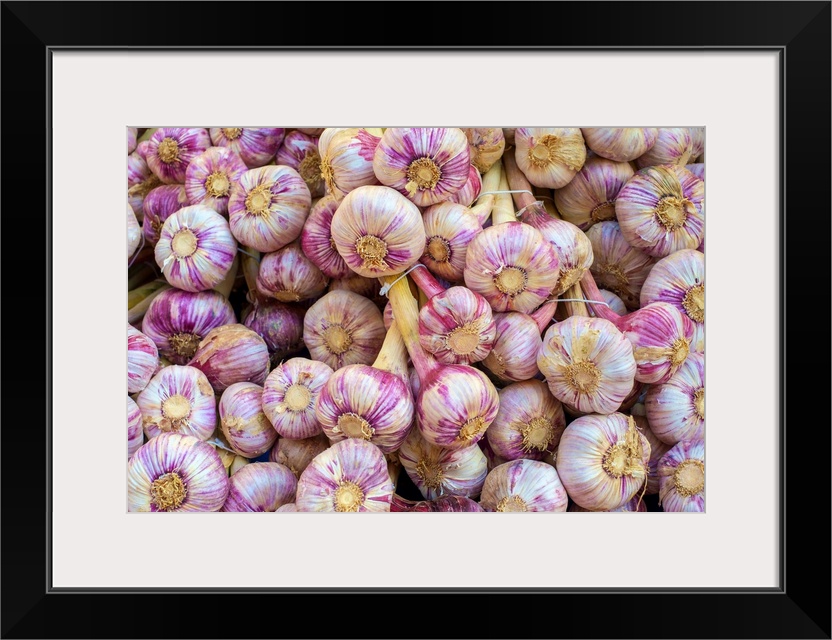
(621,144)
(244,424)
(523,485)
(439,472)
(660,210)
(210,176)
(350,476)
(369,288)
(172,149)
(636,505)
(135,435)
(590,196)
(673,146)
(657,451)
(676,409)
(697,135)
(179,400)
(287,275)
(449,229)
(550,158)
(682,477)
(317,243)
(289,396)
(140,179)
(616,265)
(602,461)
(177,321)
(486,147)
(142,360)
(347,159)
(588,364)
(195,249)
(529,423)
(300,151)
(268,206)
(517,341)
(679,279)
(134,231)
(259,487)
(343,328)
(255,146)
(132,134)
(697,169)
(297,454)
(661,336)
(470,191)
(232,353)
(175,472)
(159,205)
(378,232)
(427,165)
(448,504)
(280,325)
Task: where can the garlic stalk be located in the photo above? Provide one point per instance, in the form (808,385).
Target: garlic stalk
(300,151)
(287,275)
(486,147)
(232,353)
(549,157)
(523,485)
(142,360)
(297,454)
(621,144)
(255,146)
(289,396)
(259,487)
(210,176)
(317,243)
(682,477)
(347,159)
(244,424)
(135,435)
(673,146)
(616,265)
(172,149)
(178,400)
(590,196)
(676,409)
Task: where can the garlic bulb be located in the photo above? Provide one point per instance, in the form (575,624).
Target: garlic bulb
(636,505)
(268,206)
(350,476)
(179,400)
(616,265)
(172,149)
(513,356)
(615,303)
(343,328)
(456,327)
(676,409)
(262,486)
(174,472)
(232,353)
(289,276)
(177,321)
(255,146)
(312,131)
(523,485)
(550,157)
(289,396)
(427,165)
(529,423)
(657,450)
(140,180)
(297,454)
(142,360)
(377,231)
(492,459)
(679,279)
(697,169)
(317,243)
(132,133)
(159,204)
(697,135)
(439,472)
(660,210)
(347,159)
(602,461)
(673,146)
(448,504)
(682,477)
(588,364)
(470,191)
(135,435)
(369,288)
(590,196)
(134,231)
(210,176)
(621,144)
(195,249)
(280,325)
(486,147)
(661,336)
(300,151)
(289,507)
(449,229)
(244,424)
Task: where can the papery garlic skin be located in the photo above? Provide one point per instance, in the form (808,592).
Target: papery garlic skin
(179,400)
(142,360)
(140,180)
(657,450)
(449,229)
(673,146)
(347,159)
(676,409)
(697,169)
(697,135)
(456,326)
(350,476)
(439,472)
(615,303)
(159,205)
(174,472)
(426,165)
(369,288)
(268,206)
(210,176)
(448,504)
(681,474)
(378,232)
(549,158)
(255,146)
(132,134)
(590,195)
(289,507)
(135,435)
(317,243)
(602,461)
(523,485)
(134,231)
(513,356)
(486,147)
(616,265)
(244,424)
(470,191)
(661,336)
(343,328)
(679,279)
(660,210)
(280,325)
(195,250)
(289,396)
(172,149)
(300,151)
(177,321)
(529,423)
(287,275)
(232,353)
(259,487)
(297,454)
(588,364)
(621,144)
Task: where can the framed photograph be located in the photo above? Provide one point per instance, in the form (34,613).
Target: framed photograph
(755,76)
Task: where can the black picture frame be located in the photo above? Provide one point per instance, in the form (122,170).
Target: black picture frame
(798,608)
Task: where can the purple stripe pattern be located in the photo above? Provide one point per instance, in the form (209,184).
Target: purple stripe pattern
(232,353)
(294,416)
(179,400)
(244,424)
(470,191)
(590,196)
(140,180)
(159,205)
(661,336)
(260,487)
(682,465)
(673,146)
(523,485)
(255,146)
(456,504)
(517,340)
(456,326)
(287,275)
(657,450)
(280,325)
(621,144)
(172,149)
(316,239)
(347,160)
(135,435)
(142,359)
(676,409)
(132,133)
(300,151)
(210,176)
(297,454)
(616,265)
(449,229)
